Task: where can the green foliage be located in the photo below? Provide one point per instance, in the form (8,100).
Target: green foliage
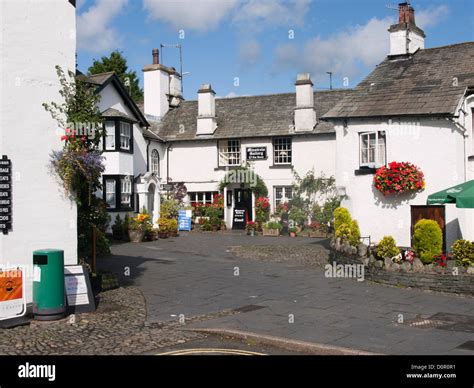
(257,184)
(206,226)
(117,228)
(297,214)
(273,225)
(79,164)
(314,187)
(324,214)
(117,63)
(169,208)
(463,252)
(292,230)
(355,234)
(427,240)
(341,216)
(344,232)
(387,247)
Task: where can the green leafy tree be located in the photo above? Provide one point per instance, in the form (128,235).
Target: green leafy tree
(117,63)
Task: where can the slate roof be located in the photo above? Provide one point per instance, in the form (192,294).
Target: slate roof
(240,117)
(420,85)
(111,112)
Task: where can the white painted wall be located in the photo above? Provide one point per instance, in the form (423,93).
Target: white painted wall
(196,163)
(435,145)
(35,37)
(398,41)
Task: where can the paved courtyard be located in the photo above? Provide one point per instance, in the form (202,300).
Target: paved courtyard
(197,274)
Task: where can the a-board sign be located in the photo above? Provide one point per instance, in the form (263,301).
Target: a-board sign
(12,293)
(184,220)
(5,195)
(79,296)
(240,218)
(256,153)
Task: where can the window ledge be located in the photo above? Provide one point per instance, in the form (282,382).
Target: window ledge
(223,168)
(365,171)
(289,166)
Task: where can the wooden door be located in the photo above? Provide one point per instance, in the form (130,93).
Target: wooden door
(435,212)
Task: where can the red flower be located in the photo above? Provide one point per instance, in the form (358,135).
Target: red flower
(398,178)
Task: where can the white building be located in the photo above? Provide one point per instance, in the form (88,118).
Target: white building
(42,217)
(276,135)
(132,152)
(416,106)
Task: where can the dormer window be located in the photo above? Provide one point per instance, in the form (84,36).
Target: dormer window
(372,149)
(118,135)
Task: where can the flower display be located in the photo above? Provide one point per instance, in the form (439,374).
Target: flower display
(440,260)
(140,222)
(262,209)
(397,178)
(218,201)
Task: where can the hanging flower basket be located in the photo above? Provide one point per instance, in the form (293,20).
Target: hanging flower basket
(398,178)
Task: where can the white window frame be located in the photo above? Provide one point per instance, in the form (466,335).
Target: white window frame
(113,193)
(125,135)
(155,162)
(125,192)
(285,197)
(194,196)
(282,145)
(109,136)
(378,149)
(230,153)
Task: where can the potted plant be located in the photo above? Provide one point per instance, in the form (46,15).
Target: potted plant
(164,227)
(315,229)
(173,227)
(117,228)
(271,228)
(292,231)
(250,228)
(138,227)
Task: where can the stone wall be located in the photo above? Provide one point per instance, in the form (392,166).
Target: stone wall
(429,278)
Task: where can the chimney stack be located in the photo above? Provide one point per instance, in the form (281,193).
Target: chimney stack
(162,88)
(206,120)
(305,114)
(406,37)
(156,56)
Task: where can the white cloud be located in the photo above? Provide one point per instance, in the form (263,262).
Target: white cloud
(341,53)
(190,14)
(272,12)
(205,15)
(94,33)
(351,52)
(231,95)
(430,17)
(249,52)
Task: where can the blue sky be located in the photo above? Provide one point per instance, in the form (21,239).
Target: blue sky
(248,47)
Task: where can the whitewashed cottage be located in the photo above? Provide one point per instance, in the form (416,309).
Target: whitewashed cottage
(416,106)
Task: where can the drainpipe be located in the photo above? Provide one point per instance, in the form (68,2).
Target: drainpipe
(148,155)
(168,163)
(465,135)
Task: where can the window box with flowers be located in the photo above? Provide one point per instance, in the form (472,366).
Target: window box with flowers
(271,228)
(315,229)
(398,178)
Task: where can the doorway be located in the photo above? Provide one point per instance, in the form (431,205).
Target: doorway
(429,212)
(242,202)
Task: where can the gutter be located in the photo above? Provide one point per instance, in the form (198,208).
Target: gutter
(168,163)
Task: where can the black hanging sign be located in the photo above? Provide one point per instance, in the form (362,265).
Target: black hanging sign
(5,195)
(256,153)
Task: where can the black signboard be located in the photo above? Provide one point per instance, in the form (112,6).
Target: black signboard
(256,153)
(5,195)
(239,221)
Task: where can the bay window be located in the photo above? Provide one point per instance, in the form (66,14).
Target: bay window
(118,135)
(118,192)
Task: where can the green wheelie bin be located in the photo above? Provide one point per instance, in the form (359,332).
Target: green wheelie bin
(48,285)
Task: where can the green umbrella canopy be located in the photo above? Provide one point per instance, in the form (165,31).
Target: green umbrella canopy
(462,195)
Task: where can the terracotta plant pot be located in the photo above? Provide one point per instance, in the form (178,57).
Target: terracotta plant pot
(136,236)
(292,234)
(163,234)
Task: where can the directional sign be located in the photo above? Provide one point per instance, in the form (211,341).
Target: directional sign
(5,195)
